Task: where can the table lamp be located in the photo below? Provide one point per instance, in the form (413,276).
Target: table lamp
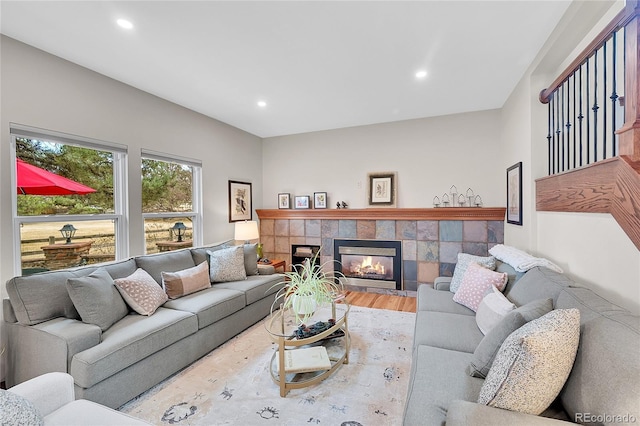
(247,230)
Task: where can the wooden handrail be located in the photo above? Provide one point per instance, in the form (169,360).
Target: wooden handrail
(621,19)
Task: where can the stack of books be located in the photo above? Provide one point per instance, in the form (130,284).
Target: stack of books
(305,360)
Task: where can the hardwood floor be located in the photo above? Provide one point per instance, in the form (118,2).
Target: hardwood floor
(381,301)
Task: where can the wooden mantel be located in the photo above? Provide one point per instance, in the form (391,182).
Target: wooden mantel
(441,213)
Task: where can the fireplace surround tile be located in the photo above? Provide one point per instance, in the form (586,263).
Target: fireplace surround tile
(428,271)
(428,251)
(450,230)
(347,228)
(409,271)
(473,230)
(406,230)
(446,269)
(427,230)
(313,228)
(385,229)
(281,228)
(476,249)
(449,251)
(267,227)
(366,229)
(330,229)
(495,232)
(409,250)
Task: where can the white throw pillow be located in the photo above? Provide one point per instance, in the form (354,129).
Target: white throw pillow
(533,363)
(492,309)
(464,260)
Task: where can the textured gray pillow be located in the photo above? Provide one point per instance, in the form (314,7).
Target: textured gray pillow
(533,363)
(464,260)
(227,265)
(488,347)
(96,299)
(16,410)
(251,259)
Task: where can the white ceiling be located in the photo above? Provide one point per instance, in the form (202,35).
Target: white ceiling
(319,65)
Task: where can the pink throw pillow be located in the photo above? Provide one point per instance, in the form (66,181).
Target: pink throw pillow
(476,282)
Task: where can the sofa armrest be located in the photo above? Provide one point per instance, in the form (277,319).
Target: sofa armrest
(463,413)
(47,392)
(266,269)
(442,283)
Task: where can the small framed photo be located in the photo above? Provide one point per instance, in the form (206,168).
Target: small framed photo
(382,189)
(514,194)
(302,201)
(284,201)
(319,200)
(240,207)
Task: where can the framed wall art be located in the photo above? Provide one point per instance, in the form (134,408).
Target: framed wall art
(240,206)
(302,201)
(284,201)
(382,189)
(514,194)
(319,200)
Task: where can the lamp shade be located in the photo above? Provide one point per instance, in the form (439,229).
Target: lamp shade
(247,230)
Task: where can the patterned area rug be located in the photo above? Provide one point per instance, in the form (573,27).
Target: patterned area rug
(232,385)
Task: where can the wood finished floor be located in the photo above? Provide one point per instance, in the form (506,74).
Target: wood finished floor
(381,301)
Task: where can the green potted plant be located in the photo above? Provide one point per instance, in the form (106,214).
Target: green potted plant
(307,287)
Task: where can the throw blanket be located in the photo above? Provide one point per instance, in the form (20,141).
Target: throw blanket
(520,260)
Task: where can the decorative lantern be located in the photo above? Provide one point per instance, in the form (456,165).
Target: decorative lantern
(68,231)
(179,229)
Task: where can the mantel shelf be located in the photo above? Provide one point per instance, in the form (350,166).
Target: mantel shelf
(440,213)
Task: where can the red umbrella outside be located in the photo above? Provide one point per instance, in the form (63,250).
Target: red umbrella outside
(33,180)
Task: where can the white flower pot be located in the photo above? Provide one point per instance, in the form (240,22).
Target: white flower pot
(303,305)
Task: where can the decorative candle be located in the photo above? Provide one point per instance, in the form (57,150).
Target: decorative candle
(478,201)
(453,191)
(436,201)
(445,200)
(470,196)
(461,200)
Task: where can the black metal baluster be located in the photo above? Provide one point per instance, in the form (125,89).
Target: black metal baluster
(553,130)
(614,97)
(561,123)
(604,104)
(581,116)
(557,94)
(595,106)
(574,119)
(588,140)
(568,125)
(549,128)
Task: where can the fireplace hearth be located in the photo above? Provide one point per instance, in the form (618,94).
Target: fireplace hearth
(369,263)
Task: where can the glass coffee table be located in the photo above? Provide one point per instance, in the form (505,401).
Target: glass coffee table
(332,333)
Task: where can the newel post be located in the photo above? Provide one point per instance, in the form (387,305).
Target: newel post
(629,142)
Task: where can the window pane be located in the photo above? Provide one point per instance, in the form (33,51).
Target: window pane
(89,167)
(158,233)
(166,187)
(43,247)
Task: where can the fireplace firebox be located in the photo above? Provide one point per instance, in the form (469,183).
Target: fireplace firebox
(369,263)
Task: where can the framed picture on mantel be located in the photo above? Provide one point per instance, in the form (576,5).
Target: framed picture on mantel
(514,194)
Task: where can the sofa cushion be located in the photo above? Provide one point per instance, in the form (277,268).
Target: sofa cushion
(251,259)
(255,287)
(130,340)
(141,292)
(487,349)
(187,281)
(538,283)
(18,411)
(432,389)
(464,259)
(476,282)
(209,305)
(199,254)
(170,261)
(447,331)
(96,298)
(493,307)
(429,299)
(227,265)
(533,363)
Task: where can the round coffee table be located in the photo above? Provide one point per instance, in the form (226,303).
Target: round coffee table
(281,326)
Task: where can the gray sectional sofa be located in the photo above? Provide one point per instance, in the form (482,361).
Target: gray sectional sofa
(603,386)
(45,333)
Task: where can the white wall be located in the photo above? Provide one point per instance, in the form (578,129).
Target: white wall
(44,91)
(591,248)
(429,154)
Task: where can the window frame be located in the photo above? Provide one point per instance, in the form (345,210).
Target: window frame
(120,185)
(195,215)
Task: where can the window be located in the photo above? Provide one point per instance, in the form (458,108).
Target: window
(85,190)
(170,195)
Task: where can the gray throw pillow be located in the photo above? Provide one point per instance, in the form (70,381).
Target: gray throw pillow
(488,347)
(96,299)
(251,259)
(17,410)
(227,265)
(464,260)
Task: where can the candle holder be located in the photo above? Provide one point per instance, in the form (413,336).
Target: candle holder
(478,201)
(461,200)
(470,196)
(454,193)
(436,201)
(445,200)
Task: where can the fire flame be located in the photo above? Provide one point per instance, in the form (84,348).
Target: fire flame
(367,267)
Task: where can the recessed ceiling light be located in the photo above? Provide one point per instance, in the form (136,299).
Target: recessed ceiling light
(262,104)
(421,74)
(127,25)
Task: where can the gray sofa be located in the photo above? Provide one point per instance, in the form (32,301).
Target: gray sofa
(604,382)
(45,333)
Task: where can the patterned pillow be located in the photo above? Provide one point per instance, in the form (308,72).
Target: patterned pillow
(492,309)
(533,363)
(476,282)
(187,281)
(17,410)
(96,299)
(141,292)
(464,260)
(227,265)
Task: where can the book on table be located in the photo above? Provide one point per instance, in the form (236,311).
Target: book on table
(305,360)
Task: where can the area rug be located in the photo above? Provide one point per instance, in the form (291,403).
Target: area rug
(232,385)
